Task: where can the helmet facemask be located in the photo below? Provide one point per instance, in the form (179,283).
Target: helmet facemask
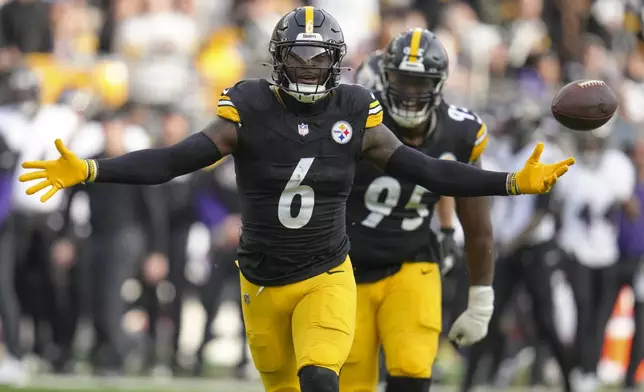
(307,70)
(411,96)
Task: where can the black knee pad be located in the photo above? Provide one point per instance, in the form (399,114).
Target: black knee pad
(406,384)
(318,379)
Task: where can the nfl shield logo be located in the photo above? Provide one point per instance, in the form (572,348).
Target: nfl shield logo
(303,129)
(246,298)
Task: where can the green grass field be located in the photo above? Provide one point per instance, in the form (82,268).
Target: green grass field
(88,384)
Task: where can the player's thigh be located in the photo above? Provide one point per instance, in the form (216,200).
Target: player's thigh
(360,371)
(409,320)
(324,319)
(268,326)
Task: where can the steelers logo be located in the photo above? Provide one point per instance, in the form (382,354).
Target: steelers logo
(341,132)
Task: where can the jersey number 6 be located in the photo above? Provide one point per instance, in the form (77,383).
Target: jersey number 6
(381,209)
(293,188)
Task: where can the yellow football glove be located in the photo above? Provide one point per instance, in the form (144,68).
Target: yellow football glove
(66,171)
(537,177)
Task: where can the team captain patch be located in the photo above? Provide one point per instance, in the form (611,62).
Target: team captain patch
(341,132)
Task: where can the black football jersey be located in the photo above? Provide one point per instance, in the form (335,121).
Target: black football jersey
(388,220)
(294,173)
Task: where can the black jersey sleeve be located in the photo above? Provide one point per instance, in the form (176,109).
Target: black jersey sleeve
(229,102)
(469,132)
(480,143)
(365,103)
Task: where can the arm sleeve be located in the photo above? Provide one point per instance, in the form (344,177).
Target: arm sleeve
(445,177)
(156,166)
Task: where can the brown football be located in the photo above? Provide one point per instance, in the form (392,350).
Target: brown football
(584,105)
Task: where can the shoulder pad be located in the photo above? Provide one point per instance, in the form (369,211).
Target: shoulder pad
(237,97)
(364,101)
(471,126)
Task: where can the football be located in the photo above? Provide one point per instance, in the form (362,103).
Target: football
(584,105)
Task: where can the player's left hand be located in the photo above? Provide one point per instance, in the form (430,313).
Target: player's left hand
(66,171)
(471,326)
(537,177)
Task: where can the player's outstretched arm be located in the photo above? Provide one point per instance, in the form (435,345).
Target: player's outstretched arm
(145,167)
(452,178)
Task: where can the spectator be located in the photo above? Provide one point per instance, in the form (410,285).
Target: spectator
(159,59)
(128,224)
(25,25)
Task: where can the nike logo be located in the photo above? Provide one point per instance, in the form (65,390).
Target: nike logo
(425,272)
(334,272)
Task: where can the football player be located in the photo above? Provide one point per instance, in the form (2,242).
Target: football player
(393,249)
(590,200)
(296,143)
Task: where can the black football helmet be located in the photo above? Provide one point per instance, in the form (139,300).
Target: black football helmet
(413,70)
(307,48)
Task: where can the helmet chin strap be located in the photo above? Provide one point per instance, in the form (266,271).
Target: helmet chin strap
(306,93)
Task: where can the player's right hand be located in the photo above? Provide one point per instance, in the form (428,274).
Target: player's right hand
(537,177)
(66,171)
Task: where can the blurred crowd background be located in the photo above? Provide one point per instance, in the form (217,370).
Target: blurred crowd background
(122,279)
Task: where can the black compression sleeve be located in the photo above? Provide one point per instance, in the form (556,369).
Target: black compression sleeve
(159,165)
(447,178)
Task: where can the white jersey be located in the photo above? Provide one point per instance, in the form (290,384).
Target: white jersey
(34,139)
(588,195)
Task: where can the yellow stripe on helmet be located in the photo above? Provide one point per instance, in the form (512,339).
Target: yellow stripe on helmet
(415,44)
(309,19)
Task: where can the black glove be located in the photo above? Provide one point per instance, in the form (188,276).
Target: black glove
(450,251)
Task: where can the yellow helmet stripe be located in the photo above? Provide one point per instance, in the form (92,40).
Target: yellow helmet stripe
(309,19)
(415,44)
